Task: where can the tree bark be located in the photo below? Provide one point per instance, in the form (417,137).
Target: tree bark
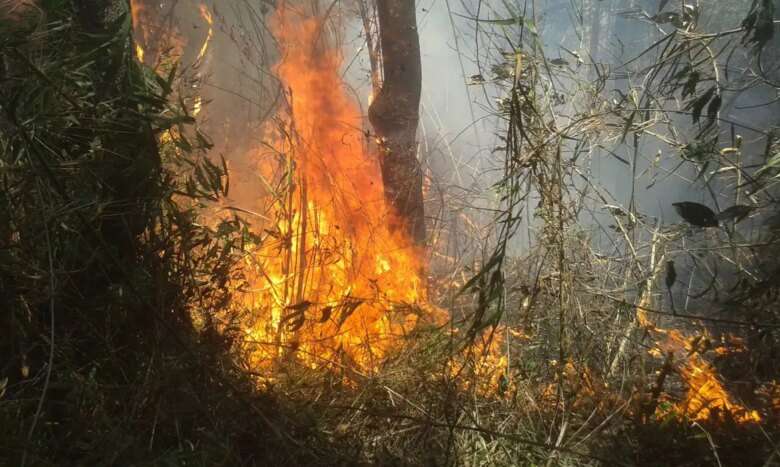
(394,114)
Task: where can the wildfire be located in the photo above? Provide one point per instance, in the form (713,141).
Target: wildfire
(206,15)
(139,53)
(136,10)
(706,398)
(483,367)
(155,43)
(332,284)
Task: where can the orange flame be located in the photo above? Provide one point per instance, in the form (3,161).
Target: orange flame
(136,10)
(154,42)
(332,283)
(484,366)
(206,15)
(707,398)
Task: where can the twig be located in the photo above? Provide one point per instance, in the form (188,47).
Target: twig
(47,380)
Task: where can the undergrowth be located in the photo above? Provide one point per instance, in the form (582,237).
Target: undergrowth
(107,273)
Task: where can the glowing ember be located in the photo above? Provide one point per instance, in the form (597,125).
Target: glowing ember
(770,392)
(484,367)
(331,284)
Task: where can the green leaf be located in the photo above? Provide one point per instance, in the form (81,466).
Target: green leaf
(515,20)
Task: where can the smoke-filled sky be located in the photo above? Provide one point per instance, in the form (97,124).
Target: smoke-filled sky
(458,127)
(455,47)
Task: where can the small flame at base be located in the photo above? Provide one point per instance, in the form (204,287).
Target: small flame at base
(706,398)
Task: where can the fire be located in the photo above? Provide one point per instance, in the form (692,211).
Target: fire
(706,399)
(331,285)
(484,367)
(136,10)
(139,53)
(206,15)
(155,43)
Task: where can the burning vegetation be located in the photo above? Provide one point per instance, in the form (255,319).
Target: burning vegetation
(330,283)
(264,294)
(706,400)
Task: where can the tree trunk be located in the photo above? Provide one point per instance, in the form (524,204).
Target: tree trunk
(394,114)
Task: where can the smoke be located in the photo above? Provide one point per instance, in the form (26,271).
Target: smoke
(459,126)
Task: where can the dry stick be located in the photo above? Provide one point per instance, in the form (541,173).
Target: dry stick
(456,36)
(303,225)
(601,425)
(711,441)
(688,291)
(456,163)
(667,368)
(516,437)
(723,321)
(288,266)
(561,308)
(374,56)
(646,297)
(52,285)
(557,447)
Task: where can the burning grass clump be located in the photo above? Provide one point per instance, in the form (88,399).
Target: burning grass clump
(567,353)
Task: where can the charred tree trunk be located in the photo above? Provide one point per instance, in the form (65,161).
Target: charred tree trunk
(394,114)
